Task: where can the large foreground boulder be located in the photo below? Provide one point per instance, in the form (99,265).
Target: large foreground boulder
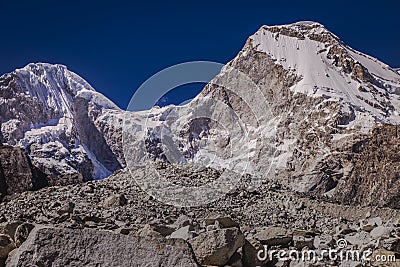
(217,247)
(50,246)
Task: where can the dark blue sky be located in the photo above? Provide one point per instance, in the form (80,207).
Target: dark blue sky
(116,46)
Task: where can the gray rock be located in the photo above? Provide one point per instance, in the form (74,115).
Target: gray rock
(274,236)
(381,231)
(392,244)
(323,242)
(183,233)
(300,241)
(148,230)
(88,189)
(164,230)
(368,214)
(224,221)
(250,250)
(22,233)
(359,239)
(217,247)
(18,174)
(66,208)
(9,228)
(183,220)
(235,260)
(49,246)
(6,245)
(114,201)
(371,224)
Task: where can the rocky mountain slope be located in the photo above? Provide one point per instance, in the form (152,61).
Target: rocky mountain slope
(295,105)
(113,221)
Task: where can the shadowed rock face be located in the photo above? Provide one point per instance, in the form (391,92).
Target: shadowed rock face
(85,115)
(17,173)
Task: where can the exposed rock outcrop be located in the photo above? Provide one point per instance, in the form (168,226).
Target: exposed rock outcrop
(17,173)
(375,177)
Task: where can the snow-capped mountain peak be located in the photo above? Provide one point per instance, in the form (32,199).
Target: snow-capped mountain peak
(58,117)
(53,85)
(329,68)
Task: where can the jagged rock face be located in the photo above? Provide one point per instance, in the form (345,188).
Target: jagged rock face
(40,111)
(17,173)
(86,115)
(375,177)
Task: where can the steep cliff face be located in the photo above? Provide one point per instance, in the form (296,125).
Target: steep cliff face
(17,174)
(375,175)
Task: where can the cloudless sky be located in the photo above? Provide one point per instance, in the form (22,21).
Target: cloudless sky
(116,46)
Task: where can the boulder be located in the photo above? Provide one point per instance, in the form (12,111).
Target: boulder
(392,244)
(51,246)
(358,239)
(250,250)
(381,231)
(274,236)
(300,241)
(9,228)
(323,242)
(114,201)
(371,224)
(17,172)
(181,221)
(183,233)
(147,230)
(217,247)
(224,221)
(66,208)
(22,233)
(164,230)
(235,260)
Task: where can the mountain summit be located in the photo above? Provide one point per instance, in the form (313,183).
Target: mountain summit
(328,68)
(52,113)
